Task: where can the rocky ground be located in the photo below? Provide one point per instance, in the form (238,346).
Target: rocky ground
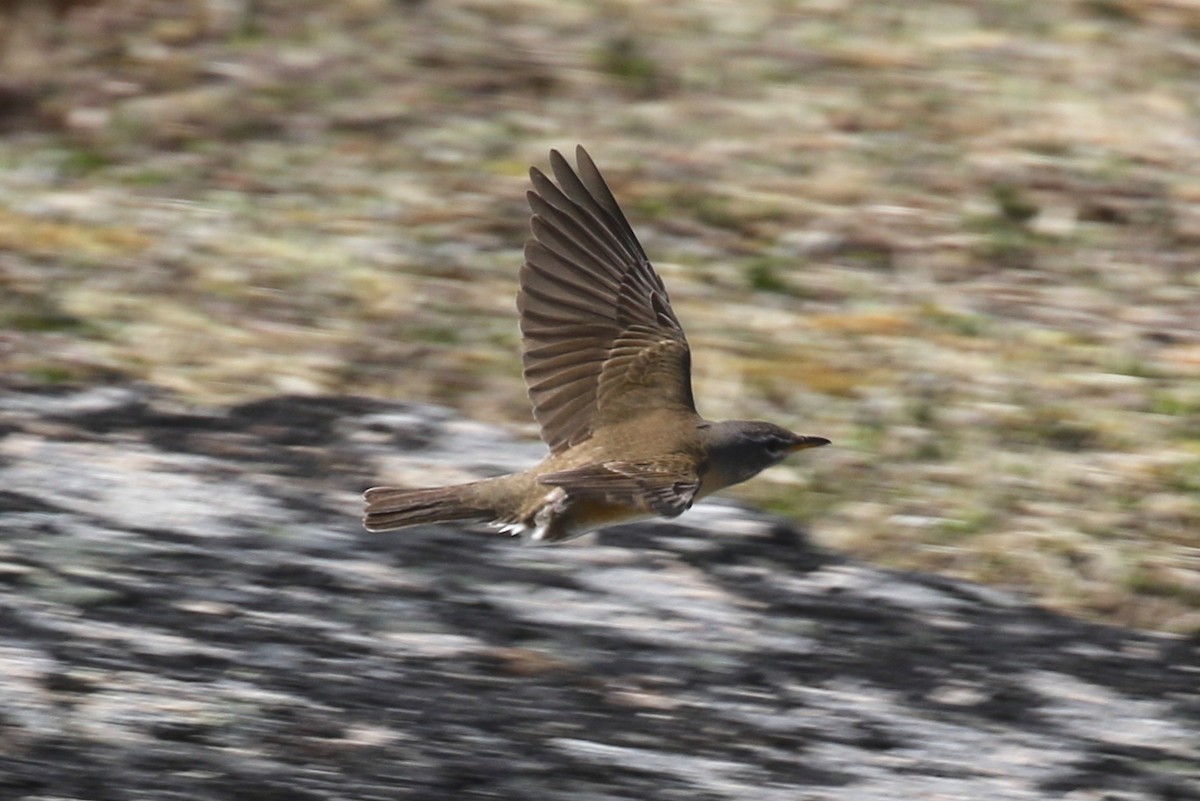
(189,610)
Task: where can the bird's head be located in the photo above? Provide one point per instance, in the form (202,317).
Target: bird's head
(739,449)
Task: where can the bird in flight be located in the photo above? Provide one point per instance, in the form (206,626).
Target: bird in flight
(609,373)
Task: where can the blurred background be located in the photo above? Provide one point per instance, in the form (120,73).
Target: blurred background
(959,239)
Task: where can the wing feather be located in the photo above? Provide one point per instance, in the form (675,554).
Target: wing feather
(665,486)
(600,340)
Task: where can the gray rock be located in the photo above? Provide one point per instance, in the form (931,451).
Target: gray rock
(189,610)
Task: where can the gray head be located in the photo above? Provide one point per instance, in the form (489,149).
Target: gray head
(739,449)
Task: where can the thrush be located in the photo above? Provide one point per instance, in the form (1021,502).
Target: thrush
(609,374)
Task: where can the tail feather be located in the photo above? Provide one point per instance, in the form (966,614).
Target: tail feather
(393,507)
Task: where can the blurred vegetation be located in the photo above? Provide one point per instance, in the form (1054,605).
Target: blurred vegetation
(959,239)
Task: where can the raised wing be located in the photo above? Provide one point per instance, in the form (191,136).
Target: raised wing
(601,343)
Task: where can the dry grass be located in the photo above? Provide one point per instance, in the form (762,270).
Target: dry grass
(958,239)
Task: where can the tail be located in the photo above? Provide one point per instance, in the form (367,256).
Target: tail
(392,507)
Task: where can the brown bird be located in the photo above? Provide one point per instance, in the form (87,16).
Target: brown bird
(609,373)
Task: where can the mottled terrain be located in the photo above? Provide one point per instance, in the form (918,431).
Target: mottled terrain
(958,239)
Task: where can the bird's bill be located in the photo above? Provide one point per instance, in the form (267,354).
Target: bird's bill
(804,443)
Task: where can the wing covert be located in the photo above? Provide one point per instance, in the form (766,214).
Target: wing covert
(666,486)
